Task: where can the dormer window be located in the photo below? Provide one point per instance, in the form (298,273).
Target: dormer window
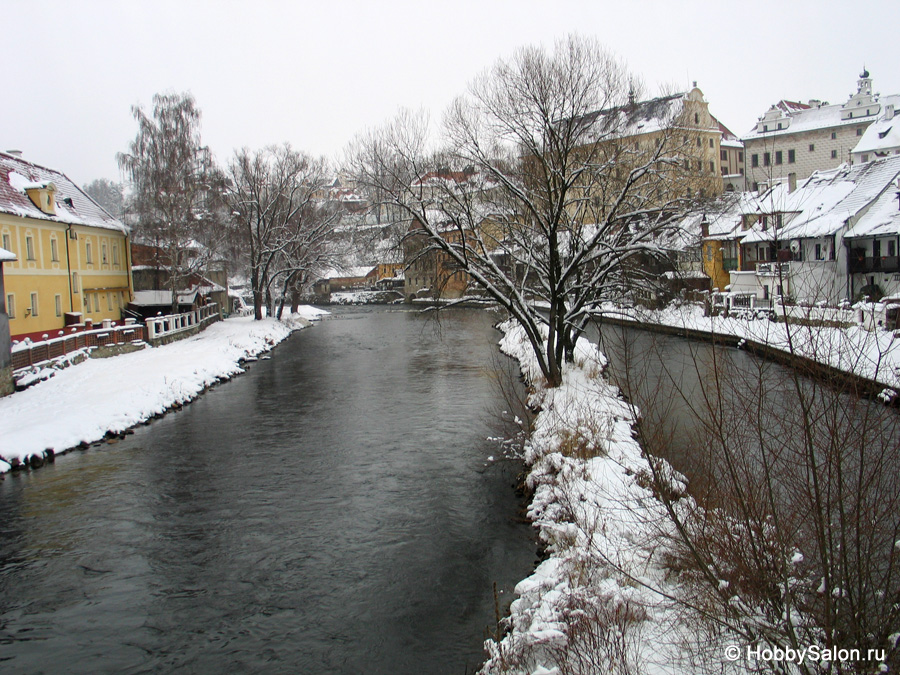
(43,196)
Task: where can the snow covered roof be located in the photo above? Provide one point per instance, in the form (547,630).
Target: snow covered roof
(729,139)
(164,298)
(822,205)
(348,272)
(73,206)
(883,135)
(642,117)
(724,216)
(6,256)
(882,218)
(811,118)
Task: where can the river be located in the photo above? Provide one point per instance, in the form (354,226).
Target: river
(333,510)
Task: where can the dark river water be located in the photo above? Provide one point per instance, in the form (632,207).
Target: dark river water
(333,510)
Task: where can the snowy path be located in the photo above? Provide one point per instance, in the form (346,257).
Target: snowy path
(83,402)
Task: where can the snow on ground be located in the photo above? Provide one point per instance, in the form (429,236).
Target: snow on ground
(601,526)
(603,601)
(871,354)
(85,401)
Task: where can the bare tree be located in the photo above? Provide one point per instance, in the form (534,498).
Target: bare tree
(563,208)
(791,539)
(276,200)
(173,183)
(108,194)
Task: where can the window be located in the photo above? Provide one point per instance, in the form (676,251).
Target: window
(723,155)
(865,158)
(29,247)
(834,154)
(819,252)
(740,156)
(696,118)
(88,252)
(57,301)
(96,302)
(711,144)
(11,306)
(779,156)
(699,142)
(892,248)
(34,304)
(6,243)
(754,160)
(792,156)
(767,159)
(74,282)
(812,147)
(833,135)
(115,254)
(712,166)
(103,257)
(859,131)
(109,302)
(54,250)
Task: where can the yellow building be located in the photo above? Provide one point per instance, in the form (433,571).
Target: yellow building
(72,256)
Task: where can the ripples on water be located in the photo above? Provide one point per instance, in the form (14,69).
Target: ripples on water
(331,511)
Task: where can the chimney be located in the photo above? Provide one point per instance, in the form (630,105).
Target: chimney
(792,182)
(704,227)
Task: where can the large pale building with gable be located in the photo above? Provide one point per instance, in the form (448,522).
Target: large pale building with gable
(71,257)
(792,140)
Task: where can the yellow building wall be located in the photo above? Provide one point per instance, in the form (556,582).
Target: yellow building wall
(39,280)
(713,264)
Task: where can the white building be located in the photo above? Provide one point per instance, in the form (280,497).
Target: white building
(792,140)
(881,138)
(825,241)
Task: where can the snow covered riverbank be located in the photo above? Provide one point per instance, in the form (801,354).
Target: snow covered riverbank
(85,402)
(599,601)
(874,355)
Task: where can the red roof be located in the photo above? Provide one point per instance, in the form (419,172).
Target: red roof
(73,206)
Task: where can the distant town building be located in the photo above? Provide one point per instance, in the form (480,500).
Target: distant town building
(731,160)
(792,140)
(684,122)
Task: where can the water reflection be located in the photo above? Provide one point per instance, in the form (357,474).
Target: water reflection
(329,511)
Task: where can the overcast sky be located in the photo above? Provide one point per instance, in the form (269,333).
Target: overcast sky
(317,73)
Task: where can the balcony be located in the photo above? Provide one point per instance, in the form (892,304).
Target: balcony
(729,264)
(865,264)
(773,269)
